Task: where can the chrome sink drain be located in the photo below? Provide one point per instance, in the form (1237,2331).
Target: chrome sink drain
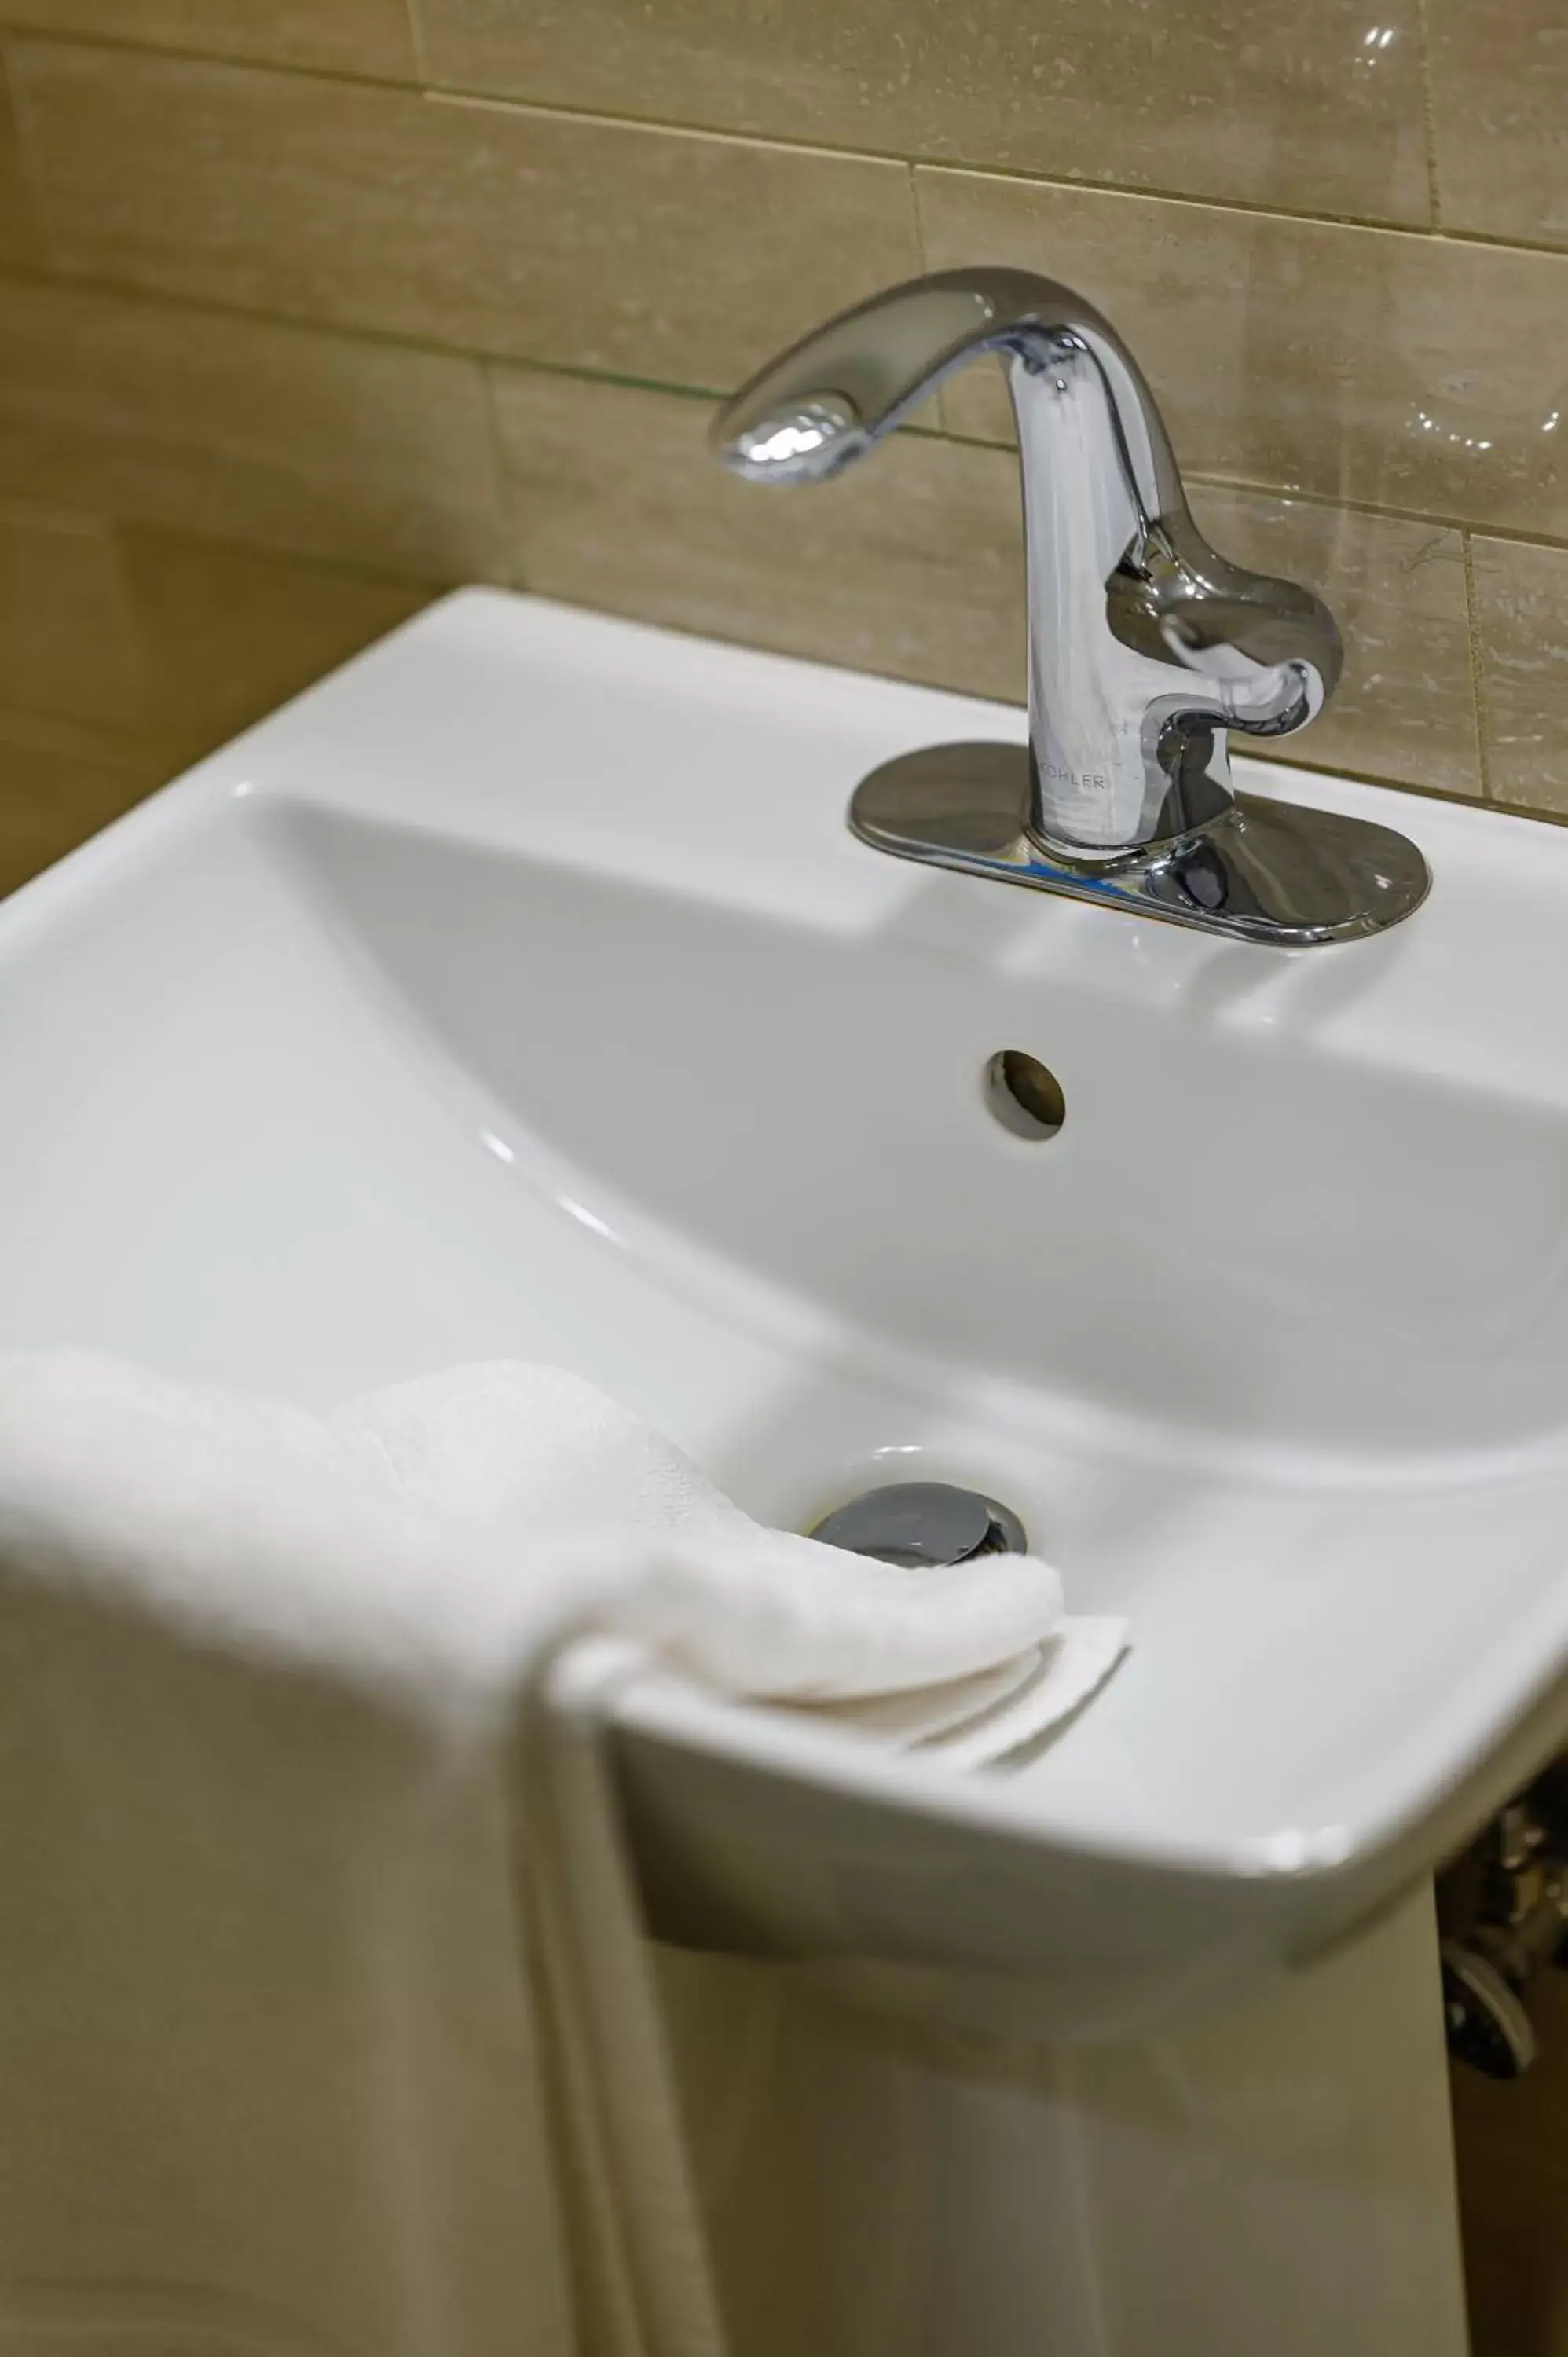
(914,1522)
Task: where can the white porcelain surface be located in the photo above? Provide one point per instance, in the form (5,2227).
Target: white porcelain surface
(519,991)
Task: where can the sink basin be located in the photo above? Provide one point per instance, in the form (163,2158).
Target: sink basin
(521,992)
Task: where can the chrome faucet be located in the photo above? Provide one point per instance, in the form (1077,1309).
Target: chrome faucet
(1145,648)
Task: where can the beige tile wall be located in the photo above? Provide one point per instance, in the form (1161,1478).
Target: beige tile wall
(310,307)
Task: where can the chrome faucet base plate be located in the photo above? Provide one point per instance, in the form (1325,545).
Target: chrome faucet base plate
(1271,872)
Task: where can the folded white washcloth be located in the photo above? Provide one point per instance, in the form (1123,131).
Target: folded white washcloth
(981,1660)
(322,2005)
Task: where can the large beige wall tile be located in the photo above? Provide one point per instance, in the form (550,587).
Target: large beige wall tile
(1521,634)
(1354,363)
(58,784)
(369,37)
(1405,709)
(909,566)
(1251,100)
(1500,88)
(230,633)
(651,253)
(240,429)
(67,636)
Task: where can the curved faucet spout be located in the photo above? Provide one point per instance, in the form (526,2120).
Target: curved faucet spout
(1146,646)
(829,398)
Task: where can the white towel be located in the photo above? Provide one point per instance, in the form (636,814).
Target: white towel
(324,2021)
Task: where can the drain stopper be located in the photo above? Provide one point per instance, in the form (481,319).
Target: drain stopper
(914,1522)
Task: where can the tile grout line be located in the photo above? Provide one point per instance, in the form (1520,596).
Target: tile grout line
(1423,233)
(1342,505)
(1337,503)
(56,281)
(508,505)
(958,166)
(923,250)
(1428,114)
(919,219)
(416,43)
(16,28)
(1477,671)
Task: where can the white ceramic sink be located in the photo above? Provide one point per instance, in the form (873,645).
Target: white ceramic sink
(519,991)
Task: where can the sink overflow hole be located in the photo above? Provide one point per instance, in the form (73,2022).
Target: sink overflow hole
(1023,1094)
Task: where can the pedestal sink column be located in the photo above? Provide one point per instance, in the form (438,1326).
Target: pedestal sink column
(1275,2177)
